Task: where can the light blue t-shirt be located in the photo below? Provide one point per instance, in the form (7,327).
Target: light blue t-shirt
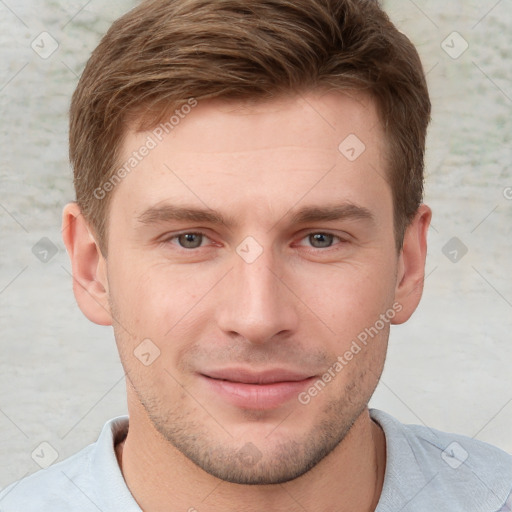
(426,470)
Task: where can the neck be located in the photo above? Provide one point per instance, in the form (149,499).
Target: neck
(350,478)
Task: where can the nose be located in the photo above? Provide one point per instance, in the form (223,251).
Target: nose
(256,303)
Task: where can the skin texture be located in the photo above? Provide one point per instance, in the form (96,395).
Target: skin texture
(298,306)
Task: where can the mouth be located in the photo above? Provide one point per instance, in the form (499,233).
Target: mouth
(246,389)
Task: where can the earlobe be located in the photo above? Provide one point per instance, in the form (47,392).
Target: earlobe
(90,284)
(411,265)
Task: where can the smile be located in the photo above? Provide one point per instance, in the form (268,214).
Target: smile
(258,391)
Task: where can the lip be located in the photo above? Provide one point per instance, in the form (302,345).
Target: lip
(256,390)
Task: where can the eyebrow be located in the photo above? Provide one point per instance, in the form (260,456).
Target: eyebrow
(169,212)
(306,214)
(348,211)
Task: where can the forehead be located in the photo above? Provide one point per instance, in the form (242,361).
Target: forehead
(273,152)
(311,120)
(314,120)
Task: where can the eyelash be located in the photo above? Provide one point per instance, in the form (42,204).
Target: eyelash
(184,249)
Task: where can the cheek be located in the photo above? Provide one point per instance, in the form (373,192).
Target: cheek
(168,302)
(158,301)
(349,297)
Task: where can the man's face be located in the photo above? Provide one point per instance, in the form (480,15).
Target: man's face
(248,316)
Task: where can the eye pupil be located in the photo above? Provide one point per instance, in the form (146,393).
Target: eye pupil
(324,238)
(187,240)
(193,240)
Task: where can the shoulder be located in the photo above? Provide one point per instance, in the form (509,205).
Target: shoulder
(87,481)
(427,467)
(51,488)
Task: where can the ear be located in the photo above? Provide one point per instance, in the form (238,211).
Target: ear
(411,265)
(90,284)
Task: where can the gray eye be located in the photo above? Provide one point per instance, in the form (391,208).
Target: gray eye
(187,240)
(323,239)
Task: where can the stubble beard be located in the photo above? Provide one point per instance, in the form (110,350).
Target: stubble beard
(254,464)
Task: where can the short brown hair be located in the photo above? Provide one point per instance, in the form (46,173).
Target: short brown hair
(164,52)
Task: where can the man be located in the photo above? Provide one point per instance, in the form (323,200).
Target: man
(249,219)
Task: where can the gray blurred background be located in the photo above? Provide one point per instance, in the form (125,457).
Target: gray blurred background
(449,367)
